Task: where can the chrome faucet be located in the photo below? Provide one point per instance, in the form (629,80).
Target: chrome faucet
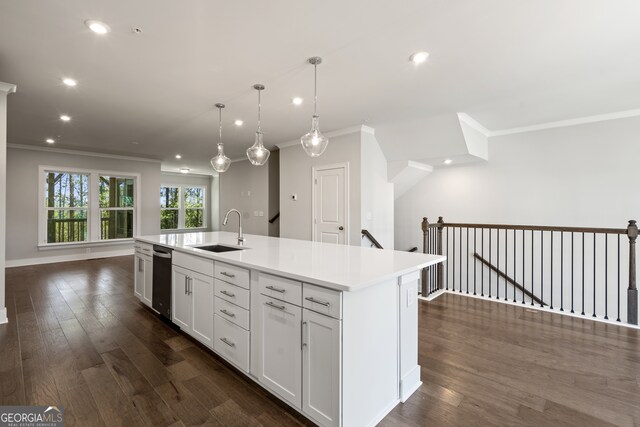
(226,218)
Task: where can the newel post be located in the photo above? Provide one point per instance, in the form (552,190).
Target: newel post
(440,265)
(632,291)
(425,230)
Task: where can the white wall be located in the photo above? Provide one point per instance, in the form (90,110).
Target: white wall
(245,187)
(295,178)
(586,175)
(376,193)
(211,200)
(22,194)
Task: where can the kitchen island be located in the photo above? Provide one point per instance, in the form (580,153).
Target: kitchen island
(329,329)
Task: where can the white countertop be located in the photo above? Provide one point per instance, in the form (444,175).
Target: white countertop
(341,267)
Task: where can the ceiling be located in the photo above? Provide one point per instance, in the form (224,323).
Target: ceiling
(505,63)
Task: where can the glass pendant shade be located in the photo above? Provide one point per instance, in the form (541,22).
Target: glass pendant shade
(220,162)
(257,153)
(314,142)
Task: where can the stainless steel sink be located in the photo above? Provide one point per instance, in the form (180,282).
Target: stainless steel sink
(219,248)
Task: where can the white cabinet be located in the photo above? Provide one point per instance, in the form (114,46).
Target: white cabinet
(192,304)
(138,266)
(321,367)
(147,296)
(279,346)
(143,277)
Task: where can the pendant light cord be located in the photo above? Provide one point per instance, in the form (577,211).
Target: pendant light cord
(220,123)
(315,89)
(259,107)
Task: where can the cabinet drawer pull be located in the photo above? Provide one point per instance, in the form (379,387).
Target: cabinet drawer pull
(277,307)
(230,295)
(224,273)
(312,299)
(272,288)
(228,313)
(227,342)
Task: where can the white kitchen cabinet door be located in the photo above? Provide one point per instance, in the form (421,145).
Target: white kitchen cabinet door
(148,281)
(138,287)
(180,299)
(200,289)
(279,347)
(321,368)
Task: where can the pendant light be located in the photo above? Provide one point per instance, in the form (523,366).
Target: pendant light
(314,143)
(220,162)
(257,153)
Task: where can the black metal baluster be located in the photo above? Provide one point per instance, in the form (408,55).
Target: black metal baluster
(489,263)
(562,271)
(551,270)
(618,319)
(467,260)
(532,287)
(506,264)
(524,282)
(482,265)
(447,273)
(594,275)
(582,274)
(514,263)
(460,270)
(606,276)
(474,260)
(541,268)
(497,263)
(572,241)
(453,260)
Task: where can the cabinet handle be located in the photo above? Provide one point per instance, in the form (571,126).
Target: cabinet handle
(278,307)
(185,284)
(227,342)
(190,285)
(228,313)
(223,292)
(271,288)
(224,273)
(302,343)
(140,265)
(312,299)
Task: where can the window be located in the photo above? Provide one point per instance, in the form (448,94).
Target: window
(169,207)
(84,206)
(66,202)
(182,207)
(116,207)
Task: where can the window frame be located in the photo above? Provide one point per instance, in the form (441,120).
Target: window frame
(182,209)
(93,206)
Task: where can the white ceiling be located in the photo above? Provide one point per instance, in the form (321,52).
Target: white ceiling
(505,63)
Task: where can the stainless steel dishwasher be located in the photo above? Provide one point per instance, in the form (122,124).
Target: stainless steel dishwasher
(161,301)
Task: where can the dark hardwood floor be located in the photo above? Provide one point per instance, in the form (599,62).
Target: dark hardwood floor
(79,338)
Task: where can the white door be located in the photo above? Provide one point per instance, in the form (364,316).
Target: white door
(148,281)
(138,265)
(200,288)
(180,299)
(321,369)
(279,347)
(330,188)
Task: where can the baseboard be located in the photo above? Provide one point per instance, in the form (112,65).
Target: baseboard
(3,315)
(376,420)
(434,295)
(66,258)
(410,383)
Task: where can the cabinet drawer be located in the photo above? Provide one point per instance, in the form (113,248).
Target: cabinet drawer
(193,263)
(231,342)
(322,300)
(232,312)
(232,293)
(143,248)
(280,288)
(231,274)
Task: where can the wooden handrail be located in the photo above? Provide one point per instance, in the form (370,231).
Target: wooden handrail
(372,239)
(276,216)
(508,279)
(534,228)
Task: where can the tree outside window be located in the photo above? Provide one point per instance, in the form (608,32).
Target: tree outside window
(169,208)
(193,207)
(66,204)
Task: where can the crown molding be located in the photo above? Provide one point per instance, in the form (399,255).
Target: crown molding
(190,174)
(81,153)
(333,134)
(7,87)
(567,123)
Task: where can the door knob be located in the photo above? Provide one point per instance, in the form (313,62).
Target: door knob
(341,228)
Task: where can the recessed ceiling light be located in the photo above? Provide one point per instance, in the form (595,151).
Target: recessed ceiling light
(178,156)
(69,81)
(97,26)
(135,142)
(50,140)
(419,57)
(448,161)
(65,118)
(238,122)
(297,100)
(184,170)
